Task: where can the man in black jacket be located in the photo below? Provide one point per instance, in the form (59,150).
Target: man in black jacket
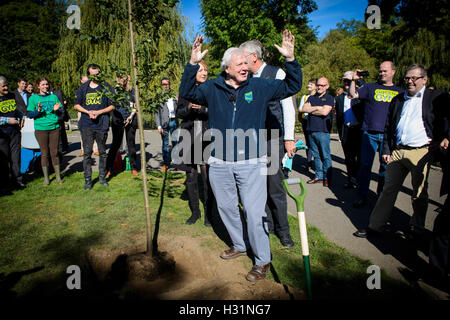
(22,96)
(349,116)
(415,127)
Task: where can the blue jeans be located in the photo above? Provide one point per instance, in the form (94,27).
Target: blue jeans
(320,148)
(165,141)
(370,143)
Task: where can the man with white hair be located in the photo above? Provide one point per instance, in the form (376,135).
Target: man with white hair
(281,118)
(349,115)
(11,121)
(237,104)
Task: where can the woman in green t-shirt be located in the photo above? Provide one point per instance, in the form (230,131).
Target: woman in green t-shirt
(45,109)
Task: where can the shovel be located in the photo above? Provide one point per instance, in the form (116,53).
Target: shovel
(299,200)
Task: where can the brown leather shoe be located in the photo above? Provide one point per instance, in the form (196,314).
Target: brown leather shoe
(134,173)
(315,180)
(258,273)
(232,253)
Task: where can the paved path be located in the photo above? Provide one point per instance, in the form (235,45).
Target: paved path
(329,209)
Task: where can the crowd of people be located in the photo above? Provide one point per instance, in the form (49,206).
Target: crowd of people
(407,127)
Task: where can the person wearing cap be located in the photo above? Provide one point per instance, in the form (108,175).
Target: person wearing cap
(349,116)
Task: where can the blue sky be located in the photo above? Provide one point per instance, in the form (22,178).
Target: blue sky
(329,13)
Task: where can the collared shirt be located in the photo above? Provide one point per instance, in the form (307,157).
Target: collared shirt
(24,96)
(349,116)
(286,104)
(4,120)
(410,129)
(170,106)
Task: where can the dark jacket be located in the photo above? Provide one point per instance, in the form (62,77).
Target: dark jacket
(20,103)
(357,108)
(191,118)
(435,109)
(246,110)
(189,115)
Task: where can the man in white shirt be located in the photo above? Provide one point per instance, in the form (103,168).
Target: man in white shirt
(167,123)
(414,128)
(282,119)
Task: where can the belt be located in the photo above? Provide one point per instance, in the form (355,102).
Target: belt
(401,146)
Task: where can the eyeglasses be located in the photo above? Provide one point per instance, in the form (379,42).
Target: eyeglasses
(413,79)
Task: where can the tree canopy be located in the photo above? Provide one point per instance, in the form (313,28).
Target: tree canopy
(334,55)
(230,23)
(104,39)
(29,34)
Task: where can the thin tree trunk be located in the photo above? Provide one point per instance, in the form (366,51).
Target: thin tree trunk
(141,138)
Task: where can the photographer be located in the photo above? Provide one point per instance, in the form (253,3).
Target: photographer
(376,98)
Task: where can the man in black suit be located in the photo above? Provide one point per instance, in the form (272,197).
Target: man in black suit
(22,96)
(349,116)
(415,127)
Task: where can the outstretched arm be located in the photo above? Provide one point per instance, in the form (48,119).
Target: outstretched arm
(196,53)
(287,46)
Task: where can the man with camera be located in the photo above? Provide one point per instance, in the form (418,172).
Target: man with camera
(376,98)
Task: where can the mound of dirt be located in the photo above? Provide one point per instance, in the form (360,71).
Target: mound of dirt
(185,270)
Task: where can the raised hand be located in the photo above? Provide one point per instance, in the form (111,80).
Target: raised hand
(39,107)
(56,106)
(196,53)
(287,46)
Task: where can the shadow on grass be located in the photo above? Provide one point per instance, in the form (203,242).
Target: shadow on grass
(158,216)
(332,283)
(59,253)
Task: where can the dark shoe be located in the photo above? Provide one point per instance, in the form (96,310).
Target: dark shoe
(360,203)
(315,180)
(325,183)
(366,233)
(258,273)
(192,219)
(286,241)
(102,181)
(232,253)
(19,185)
(87,184)
(349,185)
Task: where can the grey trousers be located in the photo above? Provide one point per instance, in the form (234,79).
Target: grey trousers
(250,180)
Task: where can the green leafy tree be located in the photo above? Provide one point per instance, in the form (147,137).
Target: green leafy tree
(229,23)
(334,55)
(412,31)
(29,33)
(104,39)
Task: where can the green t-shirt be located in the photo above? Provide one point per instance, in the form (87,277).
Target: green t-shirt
(47,119)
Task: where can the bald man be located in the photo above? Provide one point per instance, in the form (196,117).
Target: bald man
(319,108)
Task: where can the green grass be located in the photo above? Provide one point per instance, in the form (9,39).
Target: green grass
(55,226)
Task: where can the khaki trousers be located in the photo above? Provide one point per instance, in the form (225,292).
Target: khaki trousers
(416,161)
